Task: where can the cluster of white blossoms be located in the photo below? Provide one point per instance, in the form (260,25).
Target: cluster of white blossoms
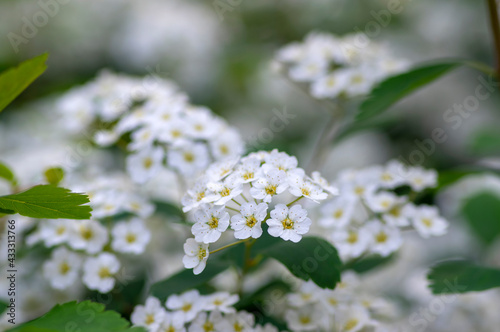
(243,194)
(192,312)
(90,247)
(155,121)
(347,308)
(371,211)
(332,66)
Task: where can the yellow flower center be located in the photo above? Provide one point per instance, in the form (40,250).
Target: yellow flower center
(186,307)
(381,237)
(271,190)
(200,196)
(352,238)
(188,157)
(208,327)
(150,319)
(104,272)
(198,127)
(395,211)
(248,175)
(305,192)
(130,238)
(427,222)
(86,232)
(60,230)
(305,320)
(351,324)
(338,214)
(176,133)
(359,191)
(64,268)
(214,222)
(224,149)
(251,221)
(386,177)
(147,162)
(225,192)
(287,223)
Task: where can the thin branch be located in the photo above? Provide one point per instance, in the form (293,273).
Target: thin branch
(495,29)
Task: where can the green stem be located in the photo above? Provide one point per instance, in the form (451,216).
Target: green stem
(295,200)
(230,208)
(327,135)
(246,265)
(236,201)
(495,29)
(227,246)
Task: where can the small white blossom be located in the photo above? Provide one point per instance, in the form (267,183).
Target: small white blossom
(150,315)
(187,305)
(88,235)
(98,272)
(249,222)
(273,182)
(385,239)
(428,222)
(289,224)
(221,301)
(130,237)
(196,255)
(145,164)
(62,268)
(211,222)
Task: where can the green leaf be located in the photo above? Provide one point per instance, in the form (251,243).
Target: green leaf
(3,306)
(186,280)
(47,201)
(461,277)
(482,213)
(397,87)
(311,258)
(14,80)
(368,263)
(486,142)
(85,316)
(54,175)
(7,174)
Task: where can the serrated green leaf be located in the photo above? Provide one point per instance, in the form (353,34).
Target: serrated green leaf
(15,80)
(397,87)
(47,201)
(7,174)
(54,175)
(310,259)
(368,263)
(85,316)
(482,213)
(186,280)
(461,277)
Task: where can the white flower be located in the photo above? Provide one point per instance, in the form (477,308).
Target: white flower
(385,239)
(54,232)
(88,235)
(227,144)
(237,322)
(188,158)
(62,269)
(223,192)
(145,164)
(308,293)
(390,176)
(359,81)
(428,222)
(383,201)
(308,70)
(289,224)
(187,305)
(351,243)
(272,183)
(219,170)
(201,123)
(265,328)
(130,236)
(174,132)
(249,222)
(172,323)
(329,86)
(206,322)
(419,178)
(399,215)
(221,301)
(323,183)
(149,315)
(98,272)
(195,196)
(196,255)
(142,138)
(338,212)
(281,161)
(211,222)
(303,187)
(352,318)
(248,169)
(305,318)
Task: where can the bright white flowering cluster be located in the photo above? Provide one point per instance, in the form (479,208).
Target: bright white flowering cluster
(333,66)
(243,194)
(156,122)
(345,309)
(93,247)
(371,211)
(192,312)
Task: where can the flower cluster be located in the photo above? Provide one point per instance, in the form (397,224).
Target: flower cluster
(332,66)
(346,308)
(92,245)
(243,194)
(375,204)
(193,312)
(155,121)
